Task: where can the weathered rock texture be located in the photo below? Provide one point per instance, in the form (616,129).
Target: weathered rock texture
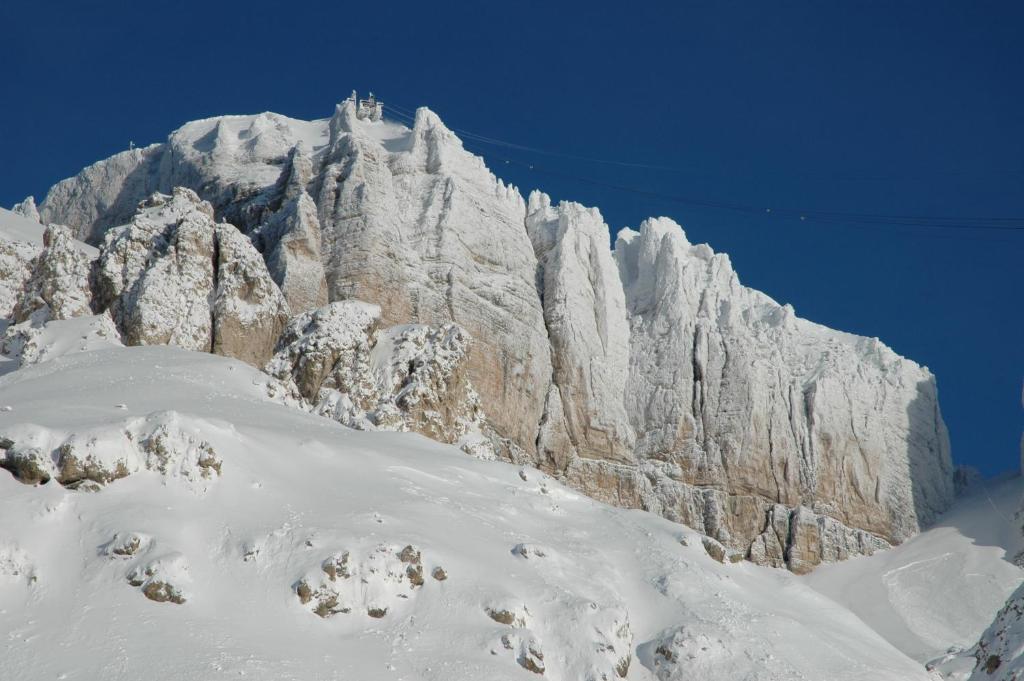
(585,314)
(410,377)
(58,287)
(16,259)
(290,242)
(648,377)
(173,275)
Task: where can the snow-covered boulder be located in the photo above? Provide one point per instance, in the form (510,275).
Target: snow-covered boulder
(329,348)
(162,441)
(163,578)
(174,276)
(385,578)
(31,342)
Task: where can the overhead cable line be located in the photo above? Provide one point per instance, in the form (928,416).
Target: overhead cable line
(678,169)
(821,216)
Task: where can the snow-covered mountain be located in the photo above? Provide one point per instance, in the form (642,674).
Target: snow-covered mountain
(647,376)
(329,400)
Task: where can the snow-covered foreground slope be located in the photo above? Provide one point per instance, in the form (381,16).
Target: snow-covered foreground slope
(941,588)
(536,575)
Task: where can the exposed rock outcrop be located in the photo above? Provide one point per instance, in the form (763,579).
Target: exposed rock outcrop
(16,259)
(174,276)
(999,654)
(161,442)
(1000,651)
(290,242)
(408,377)
(58,287)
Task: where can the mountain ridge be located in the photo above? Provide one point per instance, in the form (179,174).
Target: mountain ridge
(840,453)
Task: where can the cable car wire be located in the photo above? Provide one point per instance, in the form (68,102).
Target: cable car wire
(821,216)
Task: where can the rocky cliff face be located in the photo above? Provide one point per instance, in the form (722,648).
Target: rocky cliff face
(58,287)
(742,405)
(648,377)
(172,275)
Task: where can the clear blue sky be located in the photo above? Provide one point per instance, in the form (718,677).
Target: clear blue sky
(909,108)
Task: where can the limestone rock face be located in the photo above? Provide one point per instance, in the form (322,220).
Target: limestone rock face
(585,314)
(105,194)
(732,392)
(58,287)
(249,310)
(290,242)
(647,377)
(408,220)
(174,276)
(410,377)
(420,227)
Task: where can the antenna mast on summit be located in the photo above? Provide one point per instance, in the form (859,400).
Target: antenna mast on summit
(367,109)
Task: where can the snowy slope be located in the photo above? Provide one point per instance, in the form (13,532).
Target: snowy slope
(14,227)
(294,490)
(940,588)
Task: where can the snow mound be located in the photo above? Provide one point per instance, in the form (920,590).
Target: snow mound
(28,343)
(86,459)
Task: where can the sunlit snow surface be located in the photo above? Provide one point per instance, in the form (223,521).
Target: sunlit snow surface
(942,587)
